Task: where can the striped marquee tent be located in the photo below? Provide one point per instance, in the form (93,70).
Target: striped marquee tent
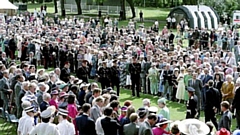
(197,16)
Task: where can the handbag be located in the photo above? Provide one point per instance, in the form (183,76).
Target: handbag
(128,80)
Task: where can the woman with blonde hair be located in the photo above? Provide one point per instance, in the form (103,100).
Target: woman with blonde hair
(11,72)
(181,85)
(106,98)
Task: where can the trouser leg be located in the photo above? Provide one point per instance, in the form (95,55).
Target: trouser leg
(238,118)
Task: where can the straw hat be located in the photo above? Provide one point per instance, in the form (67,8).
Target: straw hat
(193,127)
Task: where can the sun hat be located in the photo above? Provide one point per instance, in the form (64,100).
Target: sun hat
(124,108)
(163,121)
(63,112)
(236,132)
(48,112)
(162,101)
(142,112)
(193,127)
(153,109)
(62,86)
(29,109)
(223,131)
(190,89)
(84,85)
(54,92)
(62,94)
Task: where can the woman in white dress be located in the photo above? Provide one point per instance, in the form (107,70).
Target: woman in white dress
(181,85)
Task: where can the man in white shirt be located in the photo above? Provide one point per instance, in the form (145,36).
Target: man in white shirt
(169,22)
(65,127)
(26,123)
(99,128)
(230,60)
(173,22)
(46,128)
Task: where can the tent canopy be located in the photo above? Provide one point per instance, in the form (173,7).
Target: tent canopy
(197,16)
(5,4)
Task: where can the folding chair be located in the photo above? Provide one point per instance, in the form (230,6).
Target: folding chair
(11,119)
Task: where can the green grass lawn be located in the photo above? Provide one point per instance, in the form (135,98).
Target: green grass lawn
(148,13)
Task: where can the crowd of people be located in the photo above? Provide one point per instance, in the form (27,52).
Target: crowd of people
(203,74)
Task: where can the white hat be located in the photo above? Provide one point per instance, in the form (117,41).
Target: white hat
(153,109)
(48,112)
(238,81)
(84,85)
(43,84)
(79,81)
(193,127)
(62,112)
(163,121)
(29,109)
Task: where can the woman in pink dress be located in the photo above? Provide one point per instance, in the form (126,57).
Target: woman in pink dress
(161,126)
(72,110)
(54,100)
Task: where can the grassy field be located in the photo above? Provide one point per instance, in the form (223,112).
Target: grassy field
(150,14)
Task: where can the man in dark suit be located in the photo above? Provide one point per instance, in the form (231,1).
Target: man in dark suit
(45,103)
(192,110)
(20,96)
(171,37)
(5,90)
(85,124)
(115,76)
(226,119)
(82,72)
(196,84)
(210,106)
(65,73)
(131,128)
(167,81)
(205,78)
(135,70)
(104,75)
(17,90)
(12,47)
(146,127)
(236,103)
(52,82)
(109,126)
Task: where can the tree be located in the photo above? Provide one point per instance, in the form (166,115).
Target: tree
(55,6)
(79,8)
(131,4)
(123,9)
(223,6)
(62,7)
